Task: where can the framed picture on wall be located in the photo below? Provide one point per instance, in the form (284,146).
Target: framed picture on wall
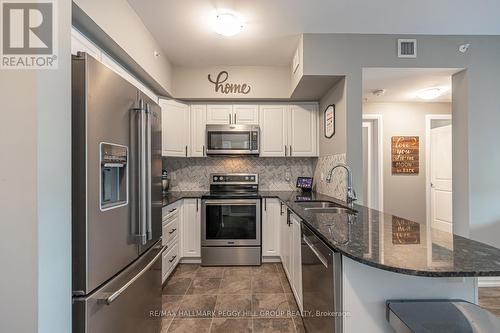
(329,121)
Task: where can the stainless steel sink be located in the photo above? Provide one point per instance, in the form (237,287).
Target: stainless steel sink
(324,207)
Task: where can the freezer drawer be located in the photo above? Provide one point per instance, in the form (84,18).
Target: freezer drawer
(124,303)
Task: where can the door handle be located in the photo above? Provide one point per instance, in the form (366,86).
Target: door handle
(290,150)
(120,291)
(173,258)
(197,204)
(149,224)
(186,151)
(315,251)
(203,151)
(141,232)
(285,150)
(229,118)
(235,118)
(172,231)
(265,204)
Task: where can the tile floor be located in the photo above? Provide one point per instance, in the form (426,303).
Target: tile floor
(230,299)
(489,298)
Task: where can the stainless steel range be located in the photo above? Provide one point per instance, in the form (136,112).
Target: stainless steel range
(231,221)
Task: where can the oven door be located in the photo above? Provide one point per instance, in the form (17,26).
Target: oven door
(231,222)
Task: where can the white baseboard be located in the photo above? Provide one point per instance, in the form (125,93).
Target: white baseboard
(185,260)
(271,259)
(485,282)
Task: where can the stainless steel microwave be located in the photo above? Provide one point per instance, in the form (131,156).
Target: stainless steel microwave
(233,139)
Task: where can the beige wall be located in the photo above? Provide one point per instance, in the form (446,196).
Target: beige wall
(265,82)
(124,26)
(336,144)
(35,193)
(404,195)
(348,54)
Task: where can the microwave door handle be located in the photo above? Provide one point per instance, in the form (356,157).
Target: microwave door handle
(147,154)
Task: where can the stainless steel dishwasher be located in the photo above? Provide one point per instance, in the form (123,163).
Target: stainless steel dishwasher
(321,285)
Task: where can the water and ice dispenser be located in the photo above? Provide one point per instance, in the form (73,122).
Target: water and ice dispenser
(114,176)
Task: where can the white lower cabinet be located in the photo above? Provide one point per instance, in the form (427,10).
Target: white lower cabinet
(271,227)
(296,282)
(171,220)
(291,252)
(191,228)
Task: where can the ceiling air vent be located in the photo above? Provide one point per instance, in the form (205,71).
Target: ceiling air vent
(407,48)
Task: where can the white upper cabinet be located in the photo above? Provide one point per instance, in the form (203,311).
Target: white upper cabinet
(219,114)
(271,220)
(273,130)
(303,130)
(175,125)
(246,114)
(198,125)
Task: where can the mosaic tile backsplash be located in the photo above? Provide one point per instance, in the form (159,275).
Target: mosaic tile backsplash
(275,173)
(337,188)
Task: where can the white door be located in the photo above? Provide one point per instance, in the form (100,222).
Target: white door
(198,126)
(175,128)
(296,260)
(246,114)
(302,133)
(273,130)
(271,227)
(441,178)
(367,164)
(191,228)
(219,114)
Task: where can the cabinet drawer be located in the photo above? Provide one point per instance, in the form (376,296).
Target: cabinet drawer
(170,211)
(169,260)
(170,231)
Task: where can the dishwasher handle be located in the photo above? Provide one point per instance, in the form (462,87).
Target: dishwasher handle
(313,248)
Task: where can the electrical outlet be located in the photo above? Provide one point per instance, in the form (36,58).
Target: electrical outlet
(288,176)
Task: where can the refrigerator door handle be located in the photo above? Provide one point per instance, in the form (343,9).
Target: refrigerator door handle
(116,294)
(141,167)
(147,154)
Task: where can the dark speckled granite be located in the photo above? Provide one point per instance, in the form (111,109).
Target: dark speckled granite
(172,197)
(371,239)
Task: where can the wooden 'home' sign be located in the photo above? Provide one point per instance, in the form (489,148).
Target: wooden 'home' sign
(405,154)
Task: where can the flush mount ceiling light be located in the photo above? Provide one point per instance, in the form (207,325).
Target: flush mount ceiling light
(378,92)
(430,93)
(228,24)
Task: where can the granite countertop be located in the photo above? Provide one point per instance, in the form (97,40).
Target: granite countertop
(172,197)
(388,242)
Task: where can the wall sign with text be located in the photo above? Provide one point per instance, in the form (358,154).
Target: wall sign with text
(404,231)
(222,86)
(405,155)
(329,121)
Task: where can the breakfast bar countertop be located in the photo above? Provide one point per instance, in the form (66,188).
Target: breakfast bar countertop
(387,241)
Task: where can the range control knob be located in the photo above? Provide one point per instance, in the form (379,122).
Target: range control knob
(215,178)
(221,178)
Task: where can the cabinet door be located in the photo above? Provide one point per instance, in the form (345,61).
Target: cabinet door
(296,260)
(175,128)
(198,127)
(246,114)
(271,227)
(191,228)
(273,130)
(219,114)
(286,244)
(303,129)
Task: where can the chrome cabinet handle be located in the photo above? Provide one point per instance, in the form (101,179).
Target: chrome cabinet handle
(235,118)
(173,258)
(285,150)
(117,293)
(172,231)
(186,151)
(197,204)
(203,151)
(290,150)
(229,119)
(172,210)
(265,204)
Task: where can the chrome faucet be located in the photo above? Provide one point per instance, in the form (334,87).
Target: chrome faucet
(350,194)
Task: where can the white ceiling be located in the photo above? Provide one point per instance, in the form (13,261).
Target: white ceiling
(401,84)
(273,26)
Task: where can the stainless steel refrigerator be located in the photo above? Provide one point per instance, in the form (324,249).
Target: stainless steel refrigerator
(116,199)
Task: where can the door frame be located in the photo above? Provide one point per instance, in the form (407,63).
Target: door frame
(428,121)
(378,119)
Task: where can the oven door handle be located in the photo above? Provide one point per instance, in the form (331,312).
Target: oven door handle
(232,202)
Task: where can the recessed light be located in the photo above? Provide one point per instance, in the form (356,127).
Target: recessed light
(378,92)
(228,24)
(430,93)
